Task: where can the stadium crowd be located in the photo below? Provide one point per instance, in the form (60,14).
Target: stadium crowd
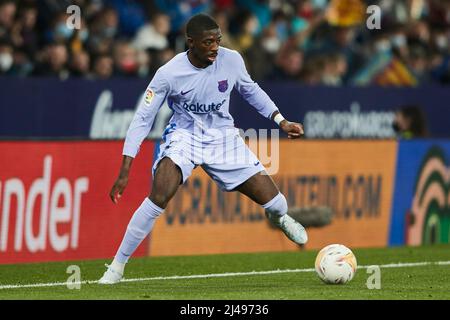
(310,41)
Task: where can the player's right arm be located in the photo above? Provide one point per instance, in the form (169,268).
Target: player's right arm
(140,126)
(122,180)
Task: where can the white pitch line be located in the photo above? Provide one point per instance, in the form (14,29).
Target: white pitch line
(218,275)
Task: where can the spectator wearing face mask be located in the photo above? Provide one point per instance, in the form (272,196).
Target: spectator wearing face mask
(103,30)
(125,60)
(78,41)
(60,31)
(399,42)
(6,57)
(264,49)
(419,62)
(410,122)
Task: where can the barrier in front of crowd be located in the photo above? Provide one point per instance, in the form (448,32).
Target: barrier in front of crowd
(54,109)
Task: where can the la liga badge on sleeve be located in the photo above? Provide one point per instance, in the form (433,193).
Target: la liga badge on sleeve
(148,96)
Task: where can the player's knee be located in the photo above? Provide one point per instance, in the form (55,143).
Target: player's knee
(277,206)
(161,200)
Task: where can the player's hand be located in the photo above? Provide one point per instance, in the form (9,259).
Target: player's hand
(118,188)
(294,130)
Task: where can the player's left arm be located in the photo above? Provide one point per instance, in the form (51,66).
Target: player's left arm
(294,130)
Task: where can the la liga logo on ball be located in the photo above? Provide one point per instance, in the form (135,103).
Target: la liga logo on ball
(335,264)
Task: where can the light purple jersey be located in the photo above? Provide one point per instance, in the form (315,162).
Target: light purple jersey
(199,98)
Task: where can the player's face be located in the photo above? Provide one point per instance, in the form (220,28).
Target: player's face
(205,47)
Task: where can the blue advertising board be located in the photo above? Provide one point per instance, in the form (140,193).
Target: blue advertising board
(350,112)
(78,108)
(421,206)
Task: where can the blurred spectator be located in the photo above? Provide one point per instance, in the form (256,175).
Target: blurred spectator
(60,31)
(222,20)
(78,41)
(313,71)
(256,58)
(270,40)
(399,41)
(131,16)
(125,59)
(334,70)
(6,57)
(259,9)
(103,31)
(24,33)
(79,64)
(7,12)
(315,42)
(419,32)
(180,11)
(153,35)
(144,61)
(419,63)
(248,30)
(23,65)
(410,122)
(439,13)
(288,64)
(103,67)
(160,57)
(440,40)
(54,61)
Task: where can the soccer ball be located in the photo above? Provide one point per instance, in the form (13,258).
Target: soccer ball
(336,264)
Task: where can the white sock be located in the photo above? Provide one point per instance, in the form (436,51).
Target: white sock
(117,266)
(138,228)
(277,209)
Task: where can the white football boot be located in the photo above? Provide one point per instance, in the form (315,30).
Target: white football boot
(110,276)
(291,228)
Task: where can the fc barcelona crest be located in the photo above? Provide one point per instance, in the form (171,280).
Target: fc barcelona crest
(223,85)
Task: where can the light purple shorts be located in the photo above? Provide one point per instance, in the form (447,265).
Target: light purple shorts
(229,162)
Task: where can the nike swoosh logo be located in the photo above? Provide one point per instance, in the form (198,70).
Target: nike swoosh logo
(256,163)
(183,93)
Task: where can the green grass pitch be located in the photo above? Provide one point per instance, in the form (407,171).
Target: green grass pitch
(427,281)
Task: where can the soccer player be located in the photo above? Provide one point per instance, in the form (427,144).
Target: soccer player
(197,85)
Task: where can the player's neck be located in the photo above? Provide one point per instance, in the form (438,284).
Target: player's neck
(195,62)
